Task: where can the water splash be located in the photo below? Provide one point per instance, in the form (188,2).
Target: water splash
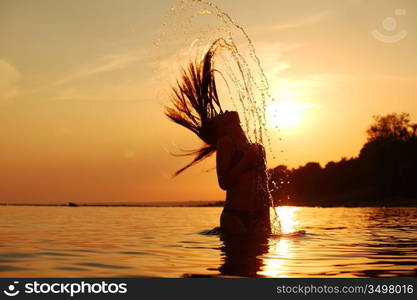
(194,27)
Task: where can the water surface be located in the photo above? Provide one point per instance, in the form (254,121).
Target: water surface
(168,242)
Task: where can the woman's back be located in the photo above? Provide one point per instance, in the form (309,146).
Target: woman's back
(241,172)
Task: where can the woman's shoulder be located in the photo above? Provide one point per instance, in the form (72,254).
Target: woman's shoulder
(258,146)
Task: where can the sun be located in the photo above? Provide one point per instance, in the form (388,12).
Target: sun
(283,114)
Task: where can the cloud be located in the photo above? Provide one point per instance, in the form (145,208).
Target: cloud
(331,77)
(124,91)
(8,79)
(301,22)
(105,64)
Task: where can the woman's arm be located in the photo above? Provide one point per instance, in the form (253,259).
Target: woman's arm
(227,175)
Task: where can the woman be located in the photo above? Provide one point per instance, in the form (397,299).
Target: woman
(240,165)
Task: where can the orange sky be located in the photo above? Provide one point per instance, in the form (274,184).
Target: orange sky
(81,106)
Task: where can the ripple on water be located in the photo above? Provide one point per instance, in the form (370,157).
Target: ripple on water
(8,268)
(17,255)
(103,266)
(58,254)
(134,253)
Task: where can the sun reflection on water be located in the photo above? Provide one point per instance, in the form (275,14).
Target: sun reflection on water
(287,219)
(275,263)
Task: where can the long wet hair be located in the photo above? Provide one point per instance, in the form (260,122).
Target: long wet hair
(194,103)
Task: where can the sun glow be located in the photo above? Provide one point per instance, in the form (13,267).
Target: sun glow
(283,114)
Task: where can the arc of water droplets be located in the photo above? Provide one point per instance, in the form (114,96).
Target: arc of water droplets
(257,112)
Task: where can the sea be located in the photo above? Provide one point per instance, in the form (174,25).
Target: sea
(61,241)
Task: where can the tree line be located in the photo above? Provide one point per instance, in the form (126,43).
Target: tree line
(384,172)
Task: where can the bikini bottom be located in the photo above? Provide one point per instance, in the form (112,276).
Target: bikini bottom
(249,218)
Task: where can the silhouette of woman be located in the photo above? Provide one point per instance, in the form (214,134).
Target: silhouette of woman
(240,164)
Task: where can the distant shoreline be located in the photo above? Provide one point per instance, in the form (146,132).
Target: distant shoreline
(201,204)
(147,204)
